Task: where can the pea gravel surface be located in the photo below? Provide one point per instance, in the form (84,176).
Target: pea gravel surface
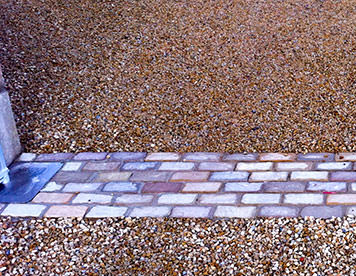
(158,75)
(151,246)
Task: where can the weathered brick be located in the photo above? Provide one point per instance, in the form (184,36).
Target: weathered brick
(177,199)
(128,156)
(242,187)
(202,156)
(112,176)
(316,157)
(54,157)
(278,211)
(86,156)
(260,198)
(229,176)
(241,157)
(218,199)
(268,176)
(134,199)
(66,211)
(163,156)
(52,187)
(322,211)
(81,187)
(235,212)
(106,211)
(351,211)
(190,176)
(303,199)
(139,166)
(346,156)
(254,166)
(71,166)
(309,175)
(161,187)
(53,198)
(131,187)
(343,176)
(150,176)
(202,187)
(341,199)
(92,198)
(101,166)
(277,157)
(23,210)
(216,166)
(334,166)
(327,186)
(176,166)
(191,212)
(66,177)
(150,211)
(26,157)
(293,166)
(284,187)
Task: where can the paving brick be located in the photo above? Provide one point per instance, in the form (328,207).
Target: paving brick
(106,211)
(92,198)
(229,176)
(150,176)
(322,211)
(277,157)
(190,176)
(87,156)
(327,186)
(278,211)
(316,157)
(27,157)
(353,187)
(151,211)
(66,177)
(161,187)
(268,176)
(53,198)
(81,187)
(139,166)
(341,199)
(218,199)
(176,166)
(134,199)
(309,175)
(346,156)
(23,210)
(71,166)
(293,166)
(241,157)
(260,198)
(2,206)
(177,199)
(216,166)
(66,211)
(202,156)
(351,211)
(254,166)
(52,187)
(242,187)
(343,176)
(128,156)
(131,187)
(235,212)
(303,199)
(163,156)
(191,212)
(101,166)
(281,187)
(334,166)
(112,176)
(54,157)
(202,187)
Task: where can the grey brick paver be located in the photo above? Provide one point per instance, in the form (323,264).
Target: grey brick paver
(229,176)
(327,186)
(101,166)
(278,211)
(134,199)
(218,199)
(92,198)
(191,211)
(128,156)
(202,156)
(343,176)
(254,166)
(72,177)
(316,157)
(177,199)
(27,157)
(86,156)
(202,187)
(163,156)
(216,166)
(241,157)
(311,199)
(284,187)
(112,176)
(176,166)
(151,211)
(234,211)
(268,176)
(260,198)
(334,166)
(309,175)
(52,187)
(129,187)
(66,211)
(54,157)
(81,187)
(23,210)
(322,211)
(139,166)
(242,187)
(106,211)
(71,166)
(150,176)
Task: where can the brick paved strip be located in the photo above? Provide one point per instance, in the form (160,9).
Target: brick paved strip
(254,166)
(281,187)
(87,156)
(311,199)
(343,176)
(190,176)
(134,199)
(176,166)
(235,212)
(277,157)
(309,175)
(242,187)
(139,166)
(241,157)
(150,176)
(72,177)
(71,166)
(177,199)
(327,186)
(161,187)
(53,198)
(151,211)
(202,156)
(23,210)
(66,211)
(346,156)
(191,211)
(216,166)
(229,176)
(81,187)
(293,166)
(92,198)
(202,187)
(163,156)
(54,157)
(261,198)
(268,176)
(128,156)
(278,211)
(322,211)
(316,157)
(106,211)
(218,199)
(101,166)
(334,166)
(121,187)
(341,199)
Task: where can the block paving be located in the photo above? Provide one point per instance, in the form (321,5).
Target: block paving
(199,184)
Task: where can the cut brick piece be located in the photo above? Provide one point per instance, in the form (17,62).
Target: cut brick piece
(346,156)
(341,199)
(71,166)
(161,187)
(163,156)
(304,199)
(66,177)
(92,198)
(241,157)
(54,157)
(23,210)
(293,166)
(278,211)
(216,166)
(242,187)
(316,157)
(235,212)
(150,176)
(202,156)
(106,211)
(134,199)
(229,176)
(191,212)
(190,176)
(202,187)
(129,156)
(327,186)
(86,156)
(151,211)
(27,157)
(254,166)
(53,198)
(66,211)
(177,199)
(112,176)
(343,176)
(277,157)
(139,166)
(309,175)
(122,187)
(52,187)
(81,187)
(101,166)
(261,198)
(351,211)
(268,176)
(353,187)
(322,211)
(218,199)
(284,187)
(176,166)
(334,166)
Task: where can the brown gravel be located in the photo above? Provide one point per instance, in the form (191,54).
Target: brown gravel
(158,75)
